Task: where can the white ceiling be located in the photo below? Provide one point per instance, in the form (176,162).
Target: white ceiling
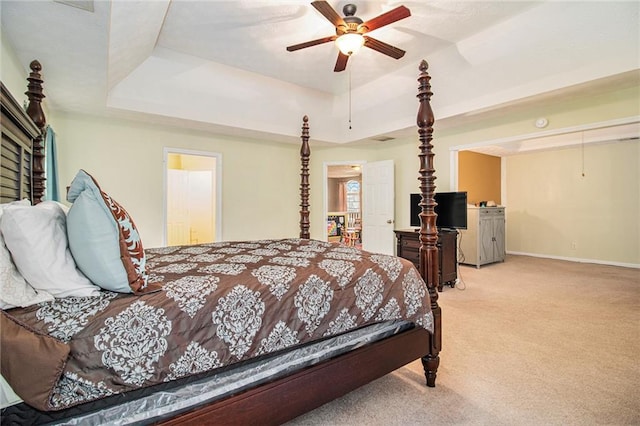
(222,66)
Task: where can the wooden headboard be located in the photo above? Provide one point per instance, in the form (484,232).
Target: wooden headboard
(22,150)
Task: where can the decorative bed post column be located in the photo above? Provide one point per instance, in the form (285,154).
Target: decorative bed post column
(34,110)
(305,153)
(428,230)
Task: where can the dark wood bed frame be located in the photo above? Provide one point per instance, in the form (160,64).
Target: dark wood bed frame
(283,399)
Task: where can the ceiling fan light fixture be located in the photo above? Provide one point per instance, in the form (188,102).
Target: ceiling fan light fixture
(350,43)
(350,32)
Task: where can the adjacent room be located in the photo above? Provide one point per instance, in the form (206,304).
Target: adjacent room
(360,212)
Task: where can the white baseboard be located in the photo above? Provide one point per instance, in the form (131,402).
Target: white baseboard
(576,259)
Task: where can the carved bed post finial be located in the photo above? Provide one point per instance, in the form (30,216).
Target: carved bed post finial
(34,110)
(428,231)
(305,153)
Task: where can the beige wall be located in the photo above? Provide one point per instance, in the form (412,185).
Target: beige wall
(480,176)
(259,179)
(576,111)
(583,108)
(554,210)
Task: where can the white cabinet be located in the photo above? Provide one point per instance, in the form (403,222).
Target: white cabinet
(484,239)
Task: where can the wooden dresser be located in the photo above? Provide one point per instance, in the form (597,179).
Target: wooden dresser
(408,247)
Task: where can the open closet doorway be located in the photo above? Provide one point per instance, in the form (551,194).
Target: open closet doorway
(192,197)
(343,202)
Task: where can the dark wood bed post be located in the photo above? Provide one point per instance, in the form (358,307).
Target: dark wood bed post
(305,153)
(34,110)
(428,230)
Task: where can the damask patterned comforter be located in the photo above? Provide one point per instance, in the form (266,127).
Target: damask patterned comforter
(220,303)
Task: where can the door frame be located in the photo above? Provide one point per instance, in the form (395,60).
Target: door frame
(218,173)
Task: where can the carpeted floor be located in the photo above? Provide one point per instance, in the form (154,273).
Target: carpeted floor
(526,342)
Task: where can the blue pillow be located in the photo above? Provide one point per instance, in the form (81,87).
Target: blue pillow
(103,239)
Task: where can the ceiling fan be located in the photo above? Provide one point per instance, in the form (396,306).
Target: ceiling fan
(351,30)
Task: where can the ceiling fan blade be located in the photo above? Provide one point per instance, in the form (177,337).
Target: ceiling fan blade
(311,43)
(386,18)
(383,47)
(341,63)
(329,13)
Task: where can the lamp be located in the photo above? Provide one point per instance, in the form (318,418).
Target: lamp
(350,43)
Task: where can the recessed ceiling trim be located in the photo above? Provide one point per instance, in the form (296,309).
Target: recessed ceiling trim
(527,138)
(247,39)
(79,4)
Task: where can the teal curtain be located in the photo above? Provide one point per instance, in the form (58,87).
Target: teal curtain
(51,165)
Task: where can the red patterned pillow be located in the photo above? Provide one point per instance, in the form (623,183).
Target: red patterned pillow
(132,252)
(104,240)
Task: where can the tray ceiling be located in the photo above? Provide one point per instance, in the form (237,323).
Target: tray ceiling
(222,65)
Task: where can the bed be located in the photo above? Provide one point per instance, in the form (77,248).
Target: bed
(301,322)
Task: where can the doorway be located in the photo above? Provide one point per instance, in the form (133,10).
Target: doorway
(344,203)
(192,197)
(367,221)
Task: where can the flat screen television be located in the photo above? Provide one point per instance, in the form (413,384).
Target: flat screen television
(451,210)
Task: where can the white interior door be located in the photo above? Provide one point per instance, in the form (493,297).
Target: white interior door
(378,207)
(201,208)
(178,207)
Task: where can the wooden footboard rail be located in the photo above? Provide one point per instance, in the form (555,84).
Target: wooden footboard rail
(428,230)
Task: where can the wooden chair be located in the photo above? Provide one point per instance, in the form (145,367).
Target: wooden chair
(353,229)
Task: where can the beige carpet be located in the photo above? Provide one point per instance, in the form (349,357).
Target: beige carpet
(525,342)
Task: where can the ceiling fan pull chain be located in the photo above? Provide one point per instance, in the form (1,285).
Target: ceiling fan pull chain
(349,98)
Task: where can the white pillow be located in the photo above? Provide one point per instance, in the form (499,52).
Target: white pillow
(14,290)
(65,208)
(7,396)
(37,239)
